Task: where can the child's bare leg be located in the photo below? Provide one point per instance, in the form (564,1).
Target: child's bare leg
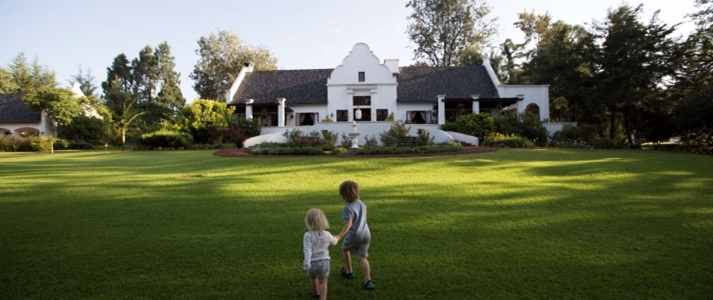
(348,261)
(323,287)
(366,267)
(315,285)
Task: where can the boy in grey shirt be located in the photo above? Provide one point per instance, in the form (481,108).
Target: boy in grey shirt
(357,236)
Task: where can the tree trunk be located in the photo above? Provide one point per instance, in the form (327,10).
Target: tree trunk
(123,139)
(626,128)
(612,124)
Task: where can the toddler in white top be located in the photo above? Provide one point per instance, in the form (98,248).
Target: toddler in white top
(315,243)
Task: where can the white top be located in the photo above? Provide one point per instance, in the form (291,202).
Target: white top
(357,114)
(315,246)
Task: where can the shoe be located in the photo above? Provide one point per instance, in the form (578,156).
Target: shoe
(347,275)
(368,285)
(314,295)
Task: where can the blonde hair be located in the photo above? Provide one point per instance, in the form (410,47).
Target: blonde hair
(315,220)
(349,190)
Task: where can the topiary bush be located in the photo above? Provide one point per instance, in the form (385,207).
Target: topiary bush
(258,150)
(499,140)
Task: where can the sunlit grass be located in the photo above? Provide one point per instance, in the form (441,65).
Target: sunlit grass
(533,224)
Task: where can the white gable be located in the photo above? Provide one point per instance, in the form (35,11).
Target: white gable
(361,59)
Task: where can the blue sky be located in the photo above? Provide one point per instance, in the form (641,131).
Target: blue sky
(302,34)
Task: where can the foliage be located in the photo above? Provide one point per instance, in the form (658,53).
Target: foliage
(89,129)
(339,150)
(370,141)
(327,119)
(250,127)
(259,150)
(124,120)
(8,143)
(408,150)
(167,139)
(441,29)
(694,120)
(59,104)
(500,140)
(85,81)
(449,126)
(329,140)
(390,137)
(605,143)
(26,78)
(390,117)
(203,116)
(346,141)
(170,95)
(222,56)
(478,125)
(294,137)
(424,137)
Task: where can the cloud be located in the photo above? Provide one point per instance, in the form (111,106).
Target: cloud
(337,31)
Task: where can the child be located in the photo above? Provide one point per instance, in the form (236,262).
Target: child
(315,243)
(358,236)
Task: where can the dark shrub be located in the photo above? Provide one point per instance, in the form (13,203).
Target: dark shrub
(329,140)
(508,141)
(370,141)
(423,137)
(87,129)
(478,125)
(449,126)
(167,139)
(80,145)
(605,143)
(391,136)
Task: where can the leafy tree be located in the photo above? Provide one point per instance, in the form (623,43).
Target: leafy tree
(202,116)
(60,105)
(170,95)
(633,61)
(85,81)
(124,120)
(88,129)
(694,120)
(442,29)
(222,56)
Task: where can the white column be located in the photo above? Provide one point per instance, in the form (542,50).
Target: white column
(249,109)
(441,110)
(281,112)
(350,105)
(519,103)
(373,94)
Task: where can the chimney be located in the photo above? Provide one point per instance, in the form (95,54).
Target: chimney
(248,66)
(393,65)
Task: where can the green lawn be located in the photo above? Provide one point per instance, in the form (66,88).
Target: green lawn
(527,224)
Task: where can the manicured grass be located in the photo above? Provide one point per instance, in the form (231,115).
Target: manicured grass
(512,224)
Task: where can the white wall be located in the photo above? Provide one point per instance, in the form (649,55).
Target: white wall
(537,94)
(379,83)
(44,127)
(372,129)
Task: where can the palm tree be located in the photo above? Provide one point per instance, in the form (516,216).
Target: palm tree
(560,104)
(124,120)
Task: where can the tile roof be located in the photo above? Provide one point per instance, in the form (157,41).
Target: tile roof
(415,84)
(297,86)
(424,84)
(13,110)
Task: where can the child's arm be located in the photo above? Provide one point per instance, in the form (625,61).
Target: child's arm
(307,245)
(347,226)
(333,240)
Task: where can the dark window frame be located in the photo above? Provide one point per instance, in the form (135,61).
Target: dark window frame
(362,76)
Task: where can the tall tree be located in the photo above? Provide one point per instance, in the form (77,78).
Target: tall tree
(145,71)
(85,81)
(126,118)
(222,56)
(26,78)
(442,29)
(7,86)
(119,85)
(633,61)
(170,95)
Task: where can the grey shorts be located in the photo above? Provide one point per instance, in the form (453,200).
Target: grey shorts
(357,244)
(319,268)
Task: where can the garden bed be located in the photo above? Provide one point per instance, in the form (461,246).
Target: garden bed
(244,153)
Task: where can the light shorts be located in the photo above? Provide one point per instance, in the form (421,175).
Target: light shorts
(356,244)
(319,268)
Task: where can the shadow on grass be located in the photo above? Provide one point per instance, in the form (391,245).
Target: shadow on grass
(516,224)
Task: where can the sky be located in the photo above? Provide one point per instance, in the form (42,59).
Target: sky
(301,34)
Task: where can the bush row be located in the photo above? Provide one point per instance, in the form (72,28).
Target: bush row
(449,147)
(258,150)
(507,141)
(9,143)
(164,139)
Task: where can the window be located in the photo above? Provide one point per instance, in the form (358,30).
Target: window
(362,100)
(365,114)
(342,116)
(362,76)
(381,114)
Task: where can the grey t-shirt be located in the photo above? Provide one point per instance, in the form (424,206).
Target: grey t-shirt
(357,212)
